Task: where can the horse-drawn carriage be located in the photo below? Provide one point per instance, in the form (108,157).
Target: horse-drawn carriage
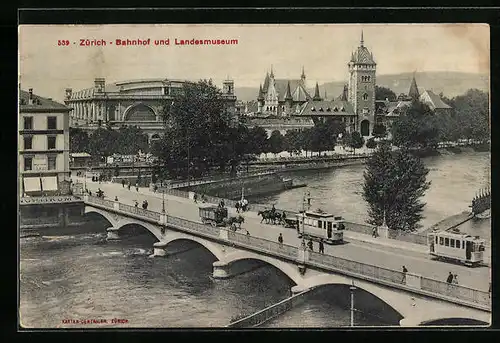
(218,216)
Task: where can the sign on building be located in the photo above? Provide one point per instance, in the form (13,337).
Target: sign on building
(40,162)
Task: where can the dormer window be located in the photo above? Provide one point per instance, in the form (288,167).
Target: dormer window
(335,109)
(313,109)
(342,109)
(365,96)
(321,109)
(328,109)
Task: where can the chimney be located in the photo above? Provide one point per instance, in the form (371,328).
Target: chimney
(99,83)
(30,99)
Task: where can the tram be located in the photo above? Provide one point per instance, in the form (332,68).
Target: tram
(321,226)
(456,246)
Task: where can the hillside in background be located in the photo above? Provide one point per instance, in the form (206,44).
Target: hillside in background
(450,83)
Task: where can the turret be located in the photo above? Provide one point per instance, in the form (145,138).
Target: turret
(288,98)
(316,96)
(69,91)
(99,84)
(413,92)
(303,77)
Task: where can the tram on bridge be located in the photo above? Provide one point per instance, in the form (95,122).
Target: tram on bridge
(456,246)
(321,226)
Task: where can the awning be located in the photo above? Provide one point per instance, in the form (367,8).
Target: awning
(49,183)
(32,184)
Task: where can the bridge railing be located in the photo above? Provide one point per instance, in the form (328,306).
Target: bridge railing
(378,273)
(193,226)
(139,211)
(264,244)
(101,201)
(456,291)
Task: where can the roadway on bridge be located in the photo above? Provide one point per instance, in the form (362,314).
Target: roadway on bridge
(368,253)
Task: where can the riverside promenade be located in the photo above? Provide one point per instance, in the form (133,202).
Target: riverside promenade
(358,248)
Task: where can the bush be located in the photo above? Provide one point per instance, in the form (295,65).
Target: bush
(371,144)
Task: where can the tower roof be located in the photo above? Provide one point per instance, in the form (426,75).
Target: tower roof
(288,93)
(413,92)
(266,83)
(303,75)
(316,93)
(272,73)
(261,93)
(362,55)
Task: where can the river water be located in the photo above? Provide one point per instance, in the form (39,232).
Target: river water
(80,276)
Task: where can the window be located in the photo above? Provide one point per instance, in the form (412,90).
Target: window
(463,244)
(436,240)
(51,142)
(28,143)
(28,163)
(365,96)
(51,162)
(446,242)
(452,243)
(319,224)
(28,123)
(51,123)
(440,240)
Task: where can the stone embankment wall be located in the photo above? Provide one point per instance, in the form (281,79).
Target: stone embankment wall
(251,185)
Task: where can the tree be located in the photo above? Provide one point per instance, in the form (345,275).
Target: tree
(379,130)
(275,142)
(199,130)
(394,183)
(103,142)
(292,141)
(371,144)
(78,140)
(131,140)
(416,127)
(355,140)
(382,93)
(257,140)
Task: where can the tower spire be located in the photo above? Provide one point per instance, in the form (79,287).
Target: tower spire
(272,73)
(303,75)
(413,92)
(316,93)
(362,40)
(288,94)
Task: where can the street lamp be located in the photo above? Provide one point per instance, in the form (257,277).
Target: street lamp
(352,288)
(163,200)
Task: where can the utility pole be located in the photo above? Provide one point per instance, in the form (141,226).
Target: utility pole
(352,288)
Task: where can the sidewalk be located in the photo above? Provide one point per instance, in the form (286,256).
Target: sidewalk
(419,248)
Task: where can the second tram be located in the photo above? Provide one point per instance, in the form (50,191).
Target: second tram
(321,226)
(456,246)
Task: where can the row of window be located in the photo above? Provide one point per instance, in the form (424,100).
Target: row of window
(450,242)
(365,78)
(51,163)
(51,123)
(28,142)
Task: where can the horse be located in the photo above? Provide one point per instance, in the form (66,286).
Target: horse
(235,222)
(269,216)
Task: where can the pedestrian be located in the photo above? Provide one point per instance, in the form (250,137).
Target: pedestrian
(155,188)
(449,279)
(280,239)
(455,279)
(116,198)
(123,183)
(321,247)
(404,274)
(303,244)
(222,204)
(374,232)
(310,245)
(137,187)
(128,186)
(195,197)
(248,233)
(136,204)
(237,205)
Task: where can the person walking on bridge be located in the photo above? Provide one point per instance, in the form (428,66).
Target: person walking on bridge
(280,239)
(449,279)
(403,280)
(310,245)
(237,206)
(123,183)
(321,247)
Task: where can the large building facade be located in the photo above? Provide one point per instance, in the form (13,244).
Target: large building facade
(138,103)
(356,106)
(43,145)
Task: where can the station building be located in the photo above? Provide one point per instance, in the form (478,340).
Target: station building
(131,103)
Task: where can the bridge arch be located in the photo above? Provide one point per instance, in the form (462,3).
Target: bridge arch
(290,270)
(120,222)
(454,321)
(215,249)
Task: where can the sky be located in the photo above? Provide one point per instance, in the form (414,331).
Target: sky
(322,49)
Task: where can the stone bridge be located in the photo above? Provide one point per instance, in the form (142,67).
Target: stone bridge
(418,300)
